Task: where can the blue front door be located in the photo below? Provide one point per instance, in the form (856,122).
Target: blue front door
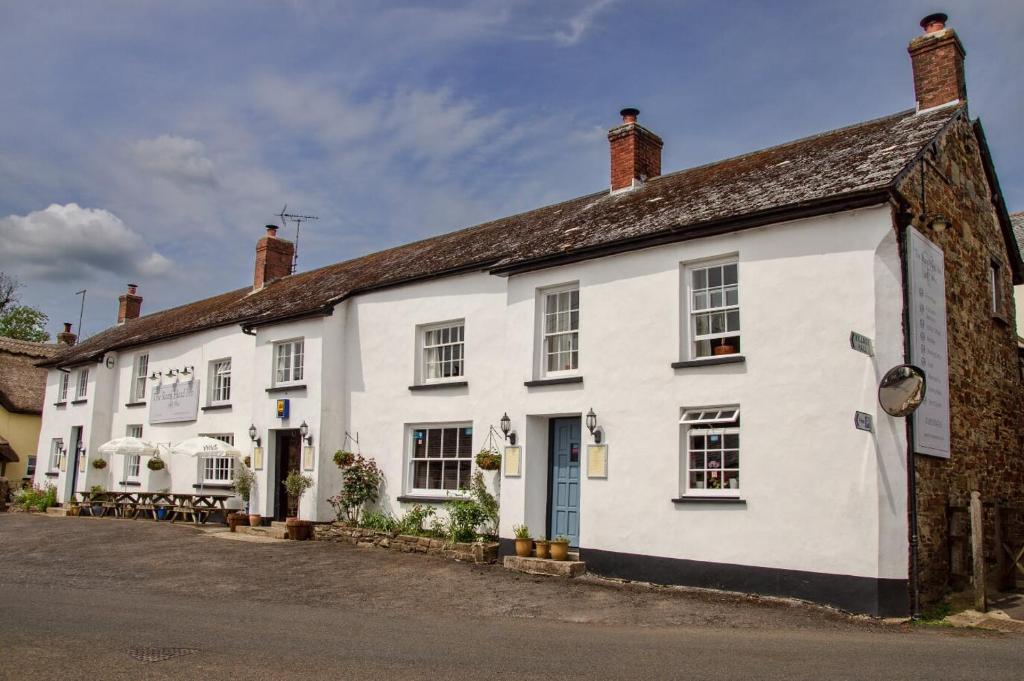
(565,479)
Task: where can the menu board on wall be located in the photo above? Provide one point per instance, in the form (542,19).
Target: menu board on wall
(928,348)
(174,402)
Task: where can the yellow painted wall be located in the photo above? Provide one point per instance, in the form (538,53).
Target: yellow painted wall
(22,431)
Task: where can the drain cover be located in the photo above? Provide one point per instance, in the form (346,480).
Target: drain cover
(146,654)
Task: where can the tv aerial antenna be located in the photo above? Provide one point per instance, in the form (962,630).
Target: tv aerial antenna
(298,220)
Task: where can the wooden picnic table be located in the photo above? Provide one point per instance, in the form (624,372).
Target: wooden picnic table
(198,507)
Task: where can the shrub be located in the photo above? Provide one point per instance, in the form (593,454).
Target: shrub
(472,516)
(244,481)
(296,485)
(361,481)
(413,520)
(36,498)
(380,521)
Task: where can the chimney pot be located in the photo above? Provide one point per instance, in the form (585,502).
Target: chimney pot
(272,230)
(132,288)
(635,152)
(65,337)
(934,22)
(67,327)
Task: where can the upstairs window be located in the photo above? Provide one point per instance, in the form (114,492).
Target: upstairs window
(220,381)
(712,453)
(83,384)
(442,458)
(714,297)
(140,369)
(560,342)
(288,362)
(443,351)
(62,388)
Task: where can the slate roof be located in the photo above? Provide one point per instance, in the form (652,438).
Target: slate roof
(859,162)
(22,383)
(1017,221)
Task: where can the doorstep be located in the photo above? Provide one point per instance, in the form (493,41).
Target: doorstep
(57,511)
(544,566)
(275,531)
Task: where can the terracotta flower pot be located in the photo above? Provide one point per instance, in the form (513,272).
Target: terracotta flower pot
(298,530)
(232,521)
(255,519)
(724,350)
(543,549)
(524,547)
(559,550)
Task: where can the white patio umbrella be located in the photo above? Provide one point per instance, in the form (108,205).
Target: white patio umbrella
(205,447)
(128,446)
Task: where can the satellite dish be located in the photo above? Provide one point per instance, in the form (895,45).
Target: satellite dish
(902,390)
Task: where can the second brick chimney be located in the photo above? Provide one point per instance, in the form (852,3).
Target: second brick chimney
(636,152)
(273,258)
(129,305)
(67,337)
(938,61)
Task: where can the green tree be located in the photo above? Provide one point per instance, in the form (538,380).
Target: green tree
(19,321)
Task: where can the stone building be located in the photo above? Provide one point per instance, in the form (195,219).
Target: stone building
(673,354)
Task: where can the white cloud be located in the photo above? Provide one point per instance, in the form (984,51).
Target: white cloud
(580,23)
(178,159)
(68,242)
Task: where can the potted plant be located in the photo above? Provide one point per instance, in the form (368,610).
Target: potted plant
(296,485)
(524,544)
(156,464)
(99,464)
(243,484)
(488,460)
(560,547)
(95,494)
(161,510)
(724,348)
(543,548)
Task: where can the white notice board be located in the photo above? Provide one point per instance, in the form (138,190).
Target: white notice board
(928,348)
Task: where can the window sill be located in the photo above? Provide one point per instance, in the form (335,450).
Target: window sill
(213,485)
(60,404)
(82,401)
(710,361)
(439,386)
(285,388)
(51,474)
(553,381)
(135,404)
(130,483)
(215,407)
(709,500)
(424,499)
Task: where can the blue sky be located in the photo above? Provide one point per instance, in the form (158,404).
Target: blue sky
(150,142)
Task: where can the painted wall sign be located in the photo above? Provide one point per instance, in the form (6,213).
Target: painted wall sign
(928,346)
(597,461)
(283,408)
(174,402)
(863,421)
(512,460)
(862,343)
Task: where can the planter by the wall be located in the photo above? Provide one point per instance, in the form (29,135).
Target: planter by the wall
(524,547)
(298,530)
(543,548)
(559,550)
(255,519)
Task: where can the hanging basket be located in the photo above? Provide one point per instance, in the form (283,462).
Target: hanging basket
(488,460)
(99,464)
(156,464)
(343,458)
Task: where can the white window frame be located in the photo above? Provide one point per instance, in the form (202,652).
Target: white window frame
(82,387)
(140,371)
(63,386)
(713,421)
(56,447)
(412,459)
(133,462)
(218,466)
(457,347)
(691,311)
(30,465)
(543,334)
(220,381)
(294,373)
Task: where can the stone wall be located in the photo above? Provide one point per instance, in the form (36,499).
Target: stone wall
(985,388)
(476,552)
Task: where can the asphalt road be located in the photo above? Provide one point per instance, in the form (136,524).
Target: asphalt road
(83,594)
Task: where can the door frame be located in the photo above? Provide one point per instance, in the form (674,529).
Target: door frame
(74,442)
(280,471)
(551,469)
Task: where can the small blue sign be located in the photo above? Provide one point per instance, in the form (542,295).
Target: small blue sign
(282,408)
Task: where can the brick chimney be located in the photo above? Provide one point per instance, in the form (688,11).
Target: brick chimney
(635,151)
(938,61)
(66,337)
(129,305)
(273,258)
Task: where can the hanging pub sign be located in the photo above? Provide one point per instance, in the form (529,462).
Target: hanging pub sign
(282,408)
(174,402)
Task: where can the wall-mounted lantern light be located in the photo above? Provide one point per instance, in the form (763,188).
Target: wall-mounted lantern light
(253,435)
(80,448)
(592,425)
(304,432)
(155,376)
(506,428)
(188,371)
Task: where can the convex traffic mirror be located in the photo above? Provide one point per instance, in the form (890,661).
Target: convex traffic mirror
(902,390)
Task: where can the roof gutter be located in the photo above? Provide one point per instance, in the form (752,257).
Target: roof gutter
(688,232)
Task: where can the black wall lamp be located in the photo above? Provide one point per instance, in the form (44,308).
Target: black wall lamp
(506,428)
(253,435)
(155,376)
(592,426)
(304,432)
